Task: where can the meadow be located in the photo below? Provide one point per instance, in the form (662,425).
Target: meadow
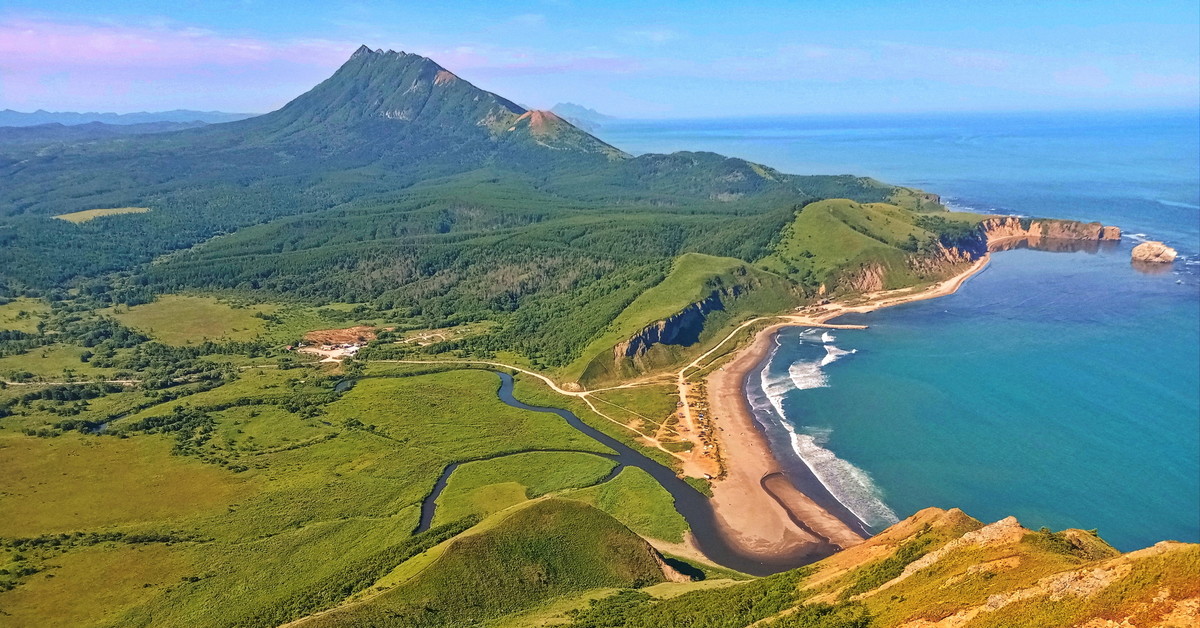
(22,314)
(91,214)
(252,485)
(182,320)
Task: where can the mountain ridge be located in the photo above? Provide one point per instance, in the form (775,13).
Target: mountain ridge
(9,117)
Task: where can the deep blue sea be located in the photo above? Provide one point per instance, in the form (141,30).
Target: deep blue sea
(1063,388)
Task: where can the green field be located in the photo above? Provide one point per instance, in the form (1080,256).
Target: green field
(636,500)
(22,314)
(91,214)
(487,486)
(53,362)
(274,500)
(181,320)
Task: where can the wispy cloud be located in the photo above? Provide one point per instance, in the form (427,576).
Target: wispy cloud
(104,63)
(527,19)
(650,35)
(40,45)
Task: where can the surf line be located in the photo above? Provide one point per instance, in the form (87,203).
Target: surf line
(838,486)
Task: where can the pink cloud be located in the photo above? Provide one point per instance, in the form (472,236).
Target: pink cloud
(61,63)
(40,45)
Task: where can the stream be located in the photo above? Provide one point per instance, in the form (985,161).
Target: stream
(695,507)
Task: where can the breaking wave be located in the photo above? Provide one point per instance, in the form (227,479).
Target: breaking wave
(849,484)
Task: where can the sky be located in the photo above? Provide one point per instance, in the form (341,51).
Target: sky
(630,59)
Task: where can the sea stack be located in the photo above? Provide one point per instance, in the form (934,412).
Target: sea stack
(1154,252)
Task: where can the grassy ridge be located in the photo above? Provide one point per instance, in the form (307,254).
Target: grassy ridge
(832,237)
(736,290)
(548,549)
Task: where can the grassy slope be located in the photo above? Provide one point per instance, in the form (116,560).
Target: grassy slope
(687,283)
(488,486)
(636,500)
(693,277)
(1051,579)
(830,236)
(22,314)
(548,549)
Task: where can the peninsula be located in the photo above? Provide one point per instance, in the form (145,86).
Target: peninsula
(405,353)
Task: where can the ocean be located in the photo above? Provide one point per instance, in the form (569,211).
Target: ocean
(1059,387)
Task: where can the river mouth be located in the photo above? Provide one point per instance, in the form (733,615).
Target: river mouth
(710,536)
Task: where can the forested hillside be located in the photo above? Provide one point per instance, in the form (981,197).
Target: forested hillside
(398,185)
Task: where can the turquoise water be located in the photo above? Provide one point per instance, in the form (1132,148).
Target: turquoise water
(1063,388)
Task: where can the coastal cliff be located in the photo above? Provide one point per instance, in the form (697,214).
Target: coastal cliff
(1012,227)
(948,251)
(681,328)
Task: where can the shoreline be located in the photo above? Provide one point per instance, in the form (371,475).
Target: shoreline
(762,503)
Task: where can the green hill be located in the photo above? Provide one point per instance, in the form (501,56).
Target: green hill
(545,550)
(700,295)
(937,568)
(849,245)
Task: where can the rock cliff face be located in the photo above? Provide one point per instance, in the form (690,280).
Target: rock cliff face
(993,234)
(681,328)
(1011,227)
(1154,253)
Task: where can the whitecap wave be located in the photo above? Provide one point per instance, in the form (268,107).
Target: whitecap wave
(1176,204)
(850,485)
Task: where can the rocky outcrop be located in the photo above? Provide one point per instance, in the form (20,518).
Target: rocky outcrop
(681,328)
(1012,227)
(670,573)
(1154,253)
(869,278)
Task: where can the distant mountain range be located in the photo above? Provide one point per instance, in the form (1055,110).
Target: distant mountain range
(8,117)
(580,116)
(58,132)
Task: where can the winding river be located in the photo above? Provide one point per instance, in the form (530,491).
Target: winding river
(709,535)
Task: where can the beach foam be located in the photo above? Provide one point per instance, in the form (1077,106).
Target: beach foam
(849,484)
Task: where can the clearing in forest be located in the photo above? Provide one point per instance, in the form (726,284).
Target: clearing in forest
(88,214)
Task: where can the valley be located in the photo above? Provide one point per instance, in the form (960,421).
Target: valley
(404,352)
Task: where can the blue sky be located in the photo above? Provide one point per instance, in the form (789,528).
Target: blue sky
(632,59)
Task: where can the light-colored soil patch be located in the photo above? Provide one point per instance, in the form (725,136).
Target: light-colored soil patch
(90,214)
(360,334)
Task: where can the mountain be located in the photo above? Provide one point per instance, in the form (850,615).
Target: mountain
(58,132)
(395,100)
(396,183)
(8,117)
(580,116)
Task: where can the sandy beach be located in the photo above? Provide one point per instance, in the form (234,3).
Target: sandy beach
(759,507)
